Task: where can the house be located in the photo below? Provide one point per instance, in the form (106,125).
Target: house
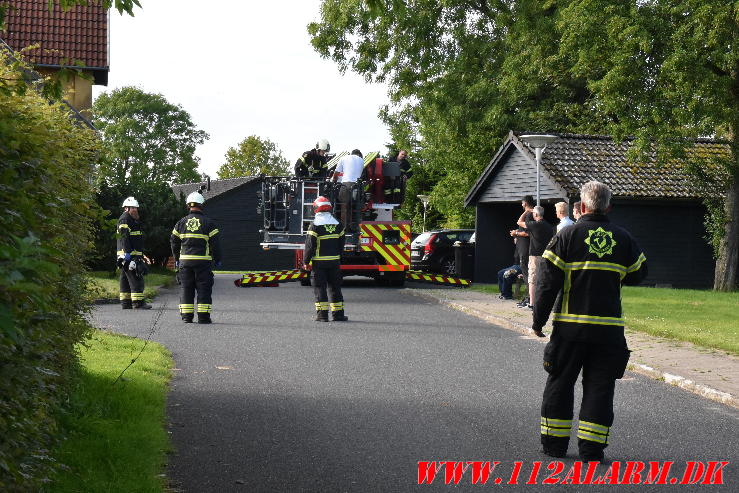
(232,204)
(76,38)
(660,206)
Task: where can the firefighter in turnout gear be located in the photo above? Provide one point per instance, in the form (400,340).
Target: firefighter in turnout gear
(395,186)
(196,247)
(131,257)
(580,276)
(313,163)
(324,244)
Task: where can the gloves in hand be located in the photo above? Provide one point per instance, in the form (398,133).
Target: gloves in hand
(132,265)
(127,257)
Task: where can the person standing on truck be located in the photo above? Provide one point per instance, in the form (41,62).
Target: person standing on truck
(324,243)
(395,186)
(313,163)
(347,173)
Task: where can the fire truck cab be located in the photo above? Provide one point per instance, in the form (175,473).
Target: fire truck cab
(377,246)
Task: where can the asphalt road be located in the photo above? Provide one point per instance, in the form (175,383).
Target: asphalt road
(266,399)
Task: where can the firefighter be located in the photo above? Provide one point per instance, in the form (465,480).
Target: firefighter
(394,188)
(323,246)
(582,270)
(196,247)
(313,163)
(131,257)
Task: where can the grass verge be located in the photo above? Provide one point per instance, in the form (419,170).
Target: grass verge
(702,317)
(116,439)
(705,318)
(104,285)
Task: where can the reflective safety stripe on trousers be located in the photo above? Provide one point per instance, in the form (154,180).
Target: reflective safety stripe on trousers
(556,427)
(593,432)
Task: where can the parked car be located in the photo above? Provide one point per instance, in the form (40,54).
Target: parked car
(433,251)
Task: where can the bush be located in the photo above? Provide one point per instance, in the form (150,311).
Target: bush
(47,203)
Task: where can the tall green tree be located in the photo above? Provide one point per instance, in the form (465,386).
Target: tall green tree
(459,79)
(254,156)
(667,71)
(462,73)
(145,139)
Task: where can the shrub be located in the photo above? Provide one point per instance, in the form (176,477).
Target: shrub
(47,205)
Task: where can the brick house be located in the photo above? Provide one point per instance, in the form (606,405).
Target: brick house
(76,37)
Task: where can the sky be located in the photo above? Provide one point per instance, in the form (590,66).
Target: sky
(245,67)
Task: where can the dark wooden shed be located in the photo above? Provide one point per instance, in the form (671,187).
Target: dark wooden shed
(232,203)
(658,205)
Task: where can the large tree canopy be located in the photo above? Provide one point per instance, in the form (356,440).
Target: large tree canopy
(462,73)
(145,139)
(254,156)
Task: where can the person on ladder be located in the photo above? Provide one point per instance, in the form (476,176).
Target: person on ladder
(324,243)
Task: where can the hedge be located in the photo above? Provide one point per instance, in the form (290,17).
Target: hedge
(47,207)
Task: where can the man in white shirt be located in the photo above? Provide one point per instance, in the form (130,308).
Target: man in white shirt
(563,215)
(347,173)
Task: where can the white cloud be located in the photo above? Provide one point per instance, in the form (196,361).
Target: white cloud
(242,68)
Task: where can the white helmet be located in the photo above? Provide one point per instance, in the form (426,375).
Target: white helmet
(130,202)
(323,145)
(195,198)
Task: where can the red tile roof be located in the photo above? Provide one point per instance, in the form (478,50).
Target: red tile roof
(80,33)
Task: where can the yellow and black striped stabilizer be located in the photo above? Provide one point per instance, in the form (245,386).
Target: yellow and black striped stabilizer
(270,277)
(414,275)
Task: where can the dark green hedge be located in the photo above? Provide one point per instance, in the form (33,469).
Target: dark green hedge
(47,207)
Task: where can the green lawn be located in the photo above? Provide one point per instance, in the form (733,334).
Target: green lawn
(105,284)
(703,317)
(116,440)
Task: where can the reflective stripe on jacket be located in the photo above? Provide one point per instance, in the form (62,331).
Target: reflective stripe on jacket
(129,234)
(580,276)
(195,239)
(324,244)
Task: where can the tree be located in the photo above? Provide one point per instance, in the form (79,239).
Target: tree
(145,139)
(667,71)
(254,156)
(459,79)
(464,72)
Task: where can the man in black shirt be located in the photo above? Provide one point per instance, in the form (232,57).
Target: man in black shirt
(540,232)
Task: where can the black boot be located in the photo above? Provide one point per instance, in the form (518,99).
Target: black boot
(187,318)
(321,315)
(204,318)
(338,316)
(141,305)
(126,305)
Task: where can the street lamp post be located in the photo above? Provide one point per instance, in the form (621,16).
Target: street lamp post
(539,143)
(425,201)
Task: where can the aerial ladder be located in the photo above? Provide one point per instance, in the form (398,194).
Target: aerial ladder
(377,245)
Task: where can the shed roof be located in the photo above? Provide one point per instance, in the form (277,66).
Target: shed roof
(574,159)
(217,187)
(80,33)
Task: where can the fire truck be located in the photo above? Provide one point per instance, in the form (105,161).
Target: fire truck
(377,245)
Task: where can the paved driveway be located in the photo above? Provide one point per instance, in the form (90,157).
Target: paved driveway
(266,399)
